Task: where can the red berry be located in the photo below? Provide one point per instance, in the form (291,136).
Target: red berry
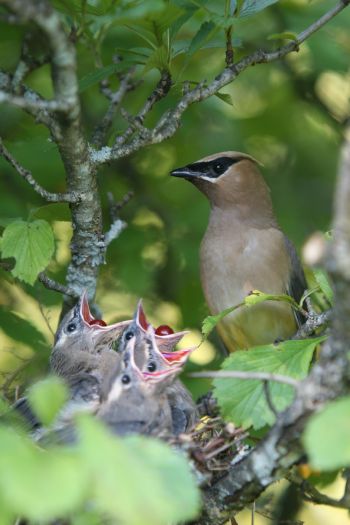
(99,322)
(164,329)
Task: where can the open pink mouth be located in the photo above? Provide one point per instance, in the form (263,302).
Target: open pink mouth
(86,313)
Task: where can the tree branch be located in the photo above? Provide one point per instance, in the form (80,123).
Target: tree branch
(171,120)
(311,494)
(87,245)
(28,177)
(51,284)
(313,323)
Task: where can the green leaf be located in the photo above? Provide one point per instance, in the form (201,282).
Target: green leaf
(250,7)
(39,485)
(157,60)
(243,401)
(323,282)
(96,76)
(327,436)
(286,35)
(31,244)
(225,97)
(52,212)
(47,397)
(253,298)
(256,297)
(200,37)
(21,329)
(137,479)
(211,321)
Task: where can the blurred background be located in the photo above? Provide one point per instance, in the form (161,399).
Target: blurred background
(288,114)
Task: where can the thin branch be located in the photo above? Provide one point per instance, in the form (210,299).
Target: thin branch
(101,132)
(313,323)
(114,231)
(171,120)
(28,177)
(51,284)
(310,493)
(34,104)
(237,374)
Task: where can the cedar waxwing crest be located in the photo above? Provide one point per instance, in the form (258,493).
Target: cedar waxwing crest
(212,167)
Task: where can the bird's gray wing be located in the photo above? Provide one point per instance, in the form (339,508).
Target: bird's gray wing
(297,283)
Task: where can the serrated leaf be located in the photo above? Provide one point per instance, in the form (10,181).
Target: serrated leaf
(137,479)
(211,321)
(256,297)
(225,97)
(243,401)
(46,398)
(323,282)
(39,485)
(200,37)
(31,244)
(286,35)
(250,7)
(327,436)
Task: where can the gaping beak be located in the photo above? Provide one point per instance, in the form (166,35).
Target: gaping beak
(101,333)
(165,343)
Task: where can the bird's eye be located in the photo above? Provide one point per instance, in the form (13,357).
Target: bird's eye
(152,367)
(129,335)
(126,379)
(219,168)
(71,327)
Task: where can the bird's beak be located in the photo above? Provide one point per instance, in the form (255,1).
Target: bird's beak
(184,173)
(84,309)
(177,357)
(140,317)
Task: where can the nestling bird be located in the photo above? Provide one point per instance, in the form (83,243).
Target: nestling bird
(155,355)
(132,402)
(244,249)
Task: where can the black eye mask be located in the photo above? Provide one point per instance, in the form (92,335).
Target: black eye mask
(213,168)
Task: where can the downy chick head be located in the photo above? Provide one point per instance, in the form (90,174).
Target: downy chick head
(132,402)
(81,339)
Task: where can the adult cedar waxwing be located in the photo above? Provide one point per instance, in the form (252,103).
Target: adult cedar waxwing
(244,249)
(132,402)
(152,361)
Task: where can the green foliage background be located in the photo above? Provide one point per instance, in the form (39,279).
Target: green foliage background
(288,114)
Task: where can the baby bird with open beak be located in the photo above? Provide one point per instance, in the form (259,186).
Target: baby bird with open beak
(154,356)
(134,402)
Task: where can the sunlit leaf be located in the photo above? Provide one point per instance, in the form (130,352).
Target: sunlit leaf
(323,282)
(36,484)
(256,297)
(138,479)
(46,398)
(31,244)
(243,400)
(211,321)
(327,436)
